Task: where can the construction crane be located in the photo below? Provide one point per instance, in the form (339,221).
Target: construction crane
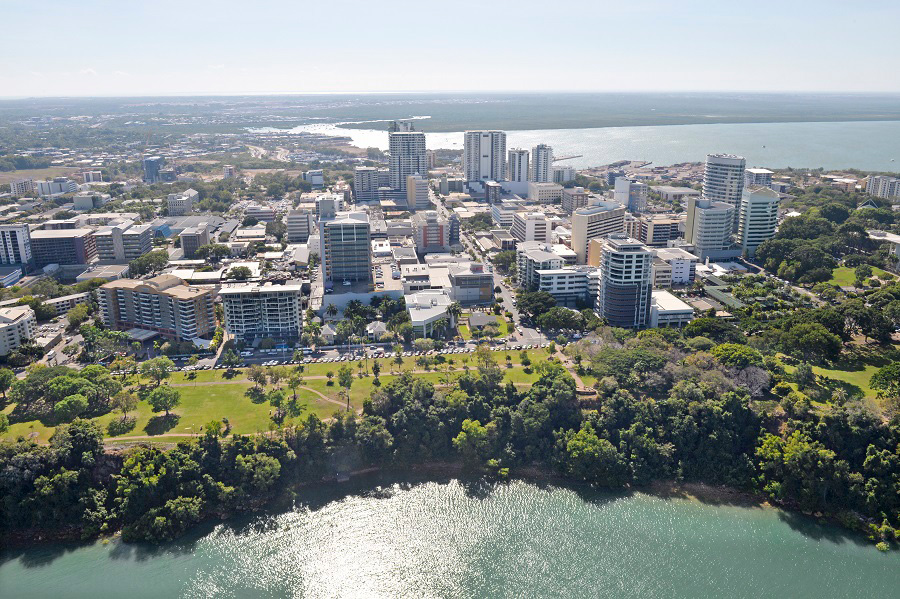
(567,157)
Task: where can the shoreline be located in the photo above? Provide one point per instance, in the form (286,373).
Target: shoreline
(700,492)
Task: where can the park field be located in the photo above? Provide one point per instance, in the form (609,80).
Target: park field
(209,395)
(845,276)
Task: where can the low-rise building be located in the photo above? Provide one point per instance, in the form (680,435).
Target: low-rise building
(666,310)
(544,193)
(426,309)
(315,177)
(181,204)
(264,214)
(675,194)
(89,200)
(65,303)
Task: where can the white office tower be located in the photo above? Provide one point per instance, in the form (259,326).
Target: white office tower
(723,180)
(708,227)
(407,157)
(300,225)
(347,244)
(21,187)
(600,220)
(228,171)
(563,174)
(631,194)
(626,282)
(256,310)
(542,164)
(417,193)
(530,226)
(758,176)
(484,155)
(518,165)
(365,183)
(758,218)
(882,186)
(15,244)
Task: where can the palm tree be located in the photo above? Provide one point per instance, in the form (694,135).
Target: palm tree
(331,311)
(455,311)
(439,328)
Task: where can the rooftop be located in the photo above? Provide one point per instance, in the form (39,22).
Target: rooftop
(14,314)
(667,302)
(256,288)
(60,233)
(163,284)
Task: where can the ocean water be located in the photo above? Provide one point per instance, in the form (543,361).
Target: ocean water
(376,537)
(864,145)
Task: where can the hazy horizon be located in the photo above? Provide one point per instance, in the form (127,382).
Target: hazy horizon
(167,48)
(387,92)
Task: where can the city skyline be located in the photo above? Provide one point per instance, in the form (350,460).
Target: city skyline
(223,49)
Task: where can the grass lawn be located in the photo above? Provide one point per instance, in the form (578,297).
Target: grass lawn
(464,332)
(503,326)
(200,403)
(846,276)
(589,380)
(210,396)
(857,380)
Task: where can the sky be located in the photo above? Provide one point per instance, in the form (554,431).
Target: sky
(165,47)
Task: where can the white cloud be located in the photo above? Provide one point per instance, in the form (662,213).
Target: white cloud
(88,71)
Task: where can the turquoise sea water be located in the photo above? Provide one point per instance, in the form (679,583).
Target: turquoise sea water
(382,538)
